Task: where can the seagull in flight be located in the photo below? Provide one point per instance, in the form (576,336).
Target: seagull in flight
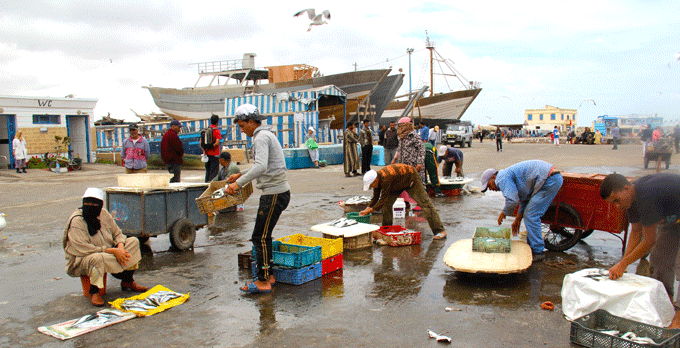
(317,19)
(590,100)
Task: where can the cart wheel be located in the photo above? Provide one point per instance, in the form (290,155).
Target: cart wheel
(560,238)
(183,234)
(587,233)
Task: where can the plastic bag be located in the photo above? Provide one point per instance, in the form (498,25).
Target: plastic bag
(633,297)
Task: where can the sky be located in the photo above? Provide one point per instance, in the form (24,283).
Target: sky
(599,57)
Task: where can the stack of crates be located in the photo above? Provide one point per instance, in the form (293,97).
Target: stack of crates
(293,264)
(331,250)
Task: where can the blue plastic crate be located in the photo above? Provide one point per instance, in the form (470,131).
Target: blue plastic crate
(294,256)
(294,276)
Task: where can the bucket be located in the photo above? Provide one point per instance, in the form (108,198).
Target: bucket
(399,209)
(355,216)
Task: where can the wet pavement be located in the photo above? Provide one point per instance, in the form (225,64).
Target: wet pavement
(384,296)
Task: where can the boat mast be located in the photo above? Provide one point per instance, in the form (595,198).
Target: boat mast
(430,46)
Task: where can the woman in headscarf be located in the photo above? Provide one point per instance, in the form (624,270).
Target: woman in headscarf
(312,146)
(410,150)
(95,245)
(349,149)
(19,151)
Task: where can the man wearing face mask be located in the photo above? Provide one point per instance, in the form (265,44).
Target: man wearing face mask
(94,246)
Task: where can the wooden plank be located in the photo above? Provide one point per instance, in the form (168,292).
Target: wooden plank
(460,257)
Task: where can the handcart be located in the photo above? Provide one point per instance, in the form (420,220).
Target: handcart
(660,150)
(149,212)
(578,210)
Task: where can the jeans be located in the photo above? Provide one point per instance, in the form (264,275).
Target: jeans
(389,155)
(616,142)
(663,258)
(534,210)
(268,214)
(175,169)
(366,154)
(212,167)
(499,144)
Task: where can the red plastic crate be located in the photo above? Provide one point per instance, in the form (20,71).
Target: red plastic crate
(331,264)
(397,235)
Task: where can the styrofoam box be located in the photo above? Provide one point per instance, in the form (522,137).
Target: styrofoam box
(144,180)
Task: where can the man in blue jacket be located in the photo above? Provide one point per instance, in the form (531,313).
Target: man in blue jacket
(531,186)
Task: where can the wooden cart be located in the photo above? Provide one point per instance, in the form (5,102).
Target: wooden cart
(660,150)
(578,210)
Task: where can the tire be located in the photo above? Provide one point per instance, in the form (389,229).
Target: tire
(53,166)
(586,233)
(470,143)
(183,234)
(75,166)
(559,238)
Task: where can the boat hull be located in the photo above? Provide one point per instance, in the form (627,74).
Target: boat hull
(202,102)
(438,110)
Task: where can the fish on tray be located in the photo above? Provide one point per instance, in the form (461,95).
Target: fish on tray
(358,200)
(150,302)
(96,319)
(342,222)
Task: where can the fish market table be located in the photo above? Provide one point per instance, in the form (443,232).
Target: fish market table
(461,257)
(357,236)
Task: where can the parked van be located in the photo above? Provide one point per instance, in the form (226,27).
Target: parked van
(459,133)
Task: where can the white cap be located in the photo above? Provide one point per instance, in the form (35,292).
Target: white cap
(442,150)
(247,112)
(486,176)
(94,193)
(369,178)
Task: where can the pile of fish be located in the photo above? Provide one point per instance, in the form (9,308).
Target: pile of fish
(342,222)
(598,275)
(358,200)
(630,336)
(219,193)
(98,319)
(150,302)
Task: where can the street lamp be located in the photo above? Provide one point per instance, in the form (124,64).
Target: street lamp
(409,51)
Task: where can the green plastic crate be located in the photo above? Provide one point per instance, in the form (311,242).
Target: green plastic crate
(492,239)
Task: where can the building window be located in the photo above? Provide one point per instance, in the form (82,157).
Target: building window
(567,117)
(574,118)
(529,117)
(46,119)
(541,117)
(552,117)
(562,117)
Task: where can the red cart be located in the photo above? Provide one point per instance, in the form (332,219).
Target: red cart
(578,210)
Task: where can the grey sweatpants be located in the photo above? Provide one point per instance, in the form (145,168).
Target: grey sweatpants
(664,260)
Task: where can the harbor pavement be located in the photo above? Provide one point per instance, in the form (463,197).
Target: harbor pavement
(383,297)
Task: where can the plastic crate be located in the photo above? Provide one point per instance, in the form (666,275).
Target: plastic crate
(397,235)
(245,260)
(294,276)
(294,256)
(331,264)
(355,216)
(492,239)
(329,246)
(361,241)
(206,204)
(585,331)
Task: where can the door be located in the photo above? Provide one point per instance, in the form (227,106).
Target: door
(77,131)
(7,131)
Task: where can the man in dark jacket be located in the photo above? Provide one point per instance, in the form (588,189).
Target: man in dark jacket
(172,150)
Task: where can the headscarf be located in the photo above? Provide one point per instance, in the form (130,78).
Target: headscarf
(404,129)
(91,214)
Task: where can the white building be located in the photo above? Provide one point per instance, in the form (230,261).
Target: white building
(40,119)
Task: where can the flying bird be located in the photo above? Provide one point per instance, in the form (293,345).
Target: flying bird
(590,100)
(317,19)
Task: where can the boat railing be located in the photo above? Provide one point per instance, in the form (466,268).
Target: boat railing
(219,66)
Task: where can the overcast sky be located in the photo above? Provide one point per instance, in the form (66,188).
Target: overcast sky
(526,54)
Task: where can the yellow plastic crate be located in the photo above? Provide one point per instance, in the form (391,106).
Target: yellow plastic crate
(329,247)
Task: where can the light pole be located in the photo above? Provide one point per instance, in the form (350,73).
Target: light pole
(409,51)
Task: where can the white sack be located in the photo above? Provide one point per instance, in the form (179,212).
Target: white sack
(633,297)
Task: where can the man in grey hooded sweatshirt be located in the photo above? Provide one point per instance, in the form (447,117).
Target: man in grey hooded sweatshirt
(269,170)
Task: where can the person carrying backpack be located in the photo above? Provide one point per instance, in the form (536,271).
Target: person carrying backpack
(210,144)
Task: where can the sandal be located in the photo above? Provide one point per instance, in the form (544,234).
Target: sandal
(440,235)
(251,288)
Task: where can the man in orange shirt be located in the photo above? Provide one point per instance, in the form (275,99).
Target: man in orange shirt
(213,164)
